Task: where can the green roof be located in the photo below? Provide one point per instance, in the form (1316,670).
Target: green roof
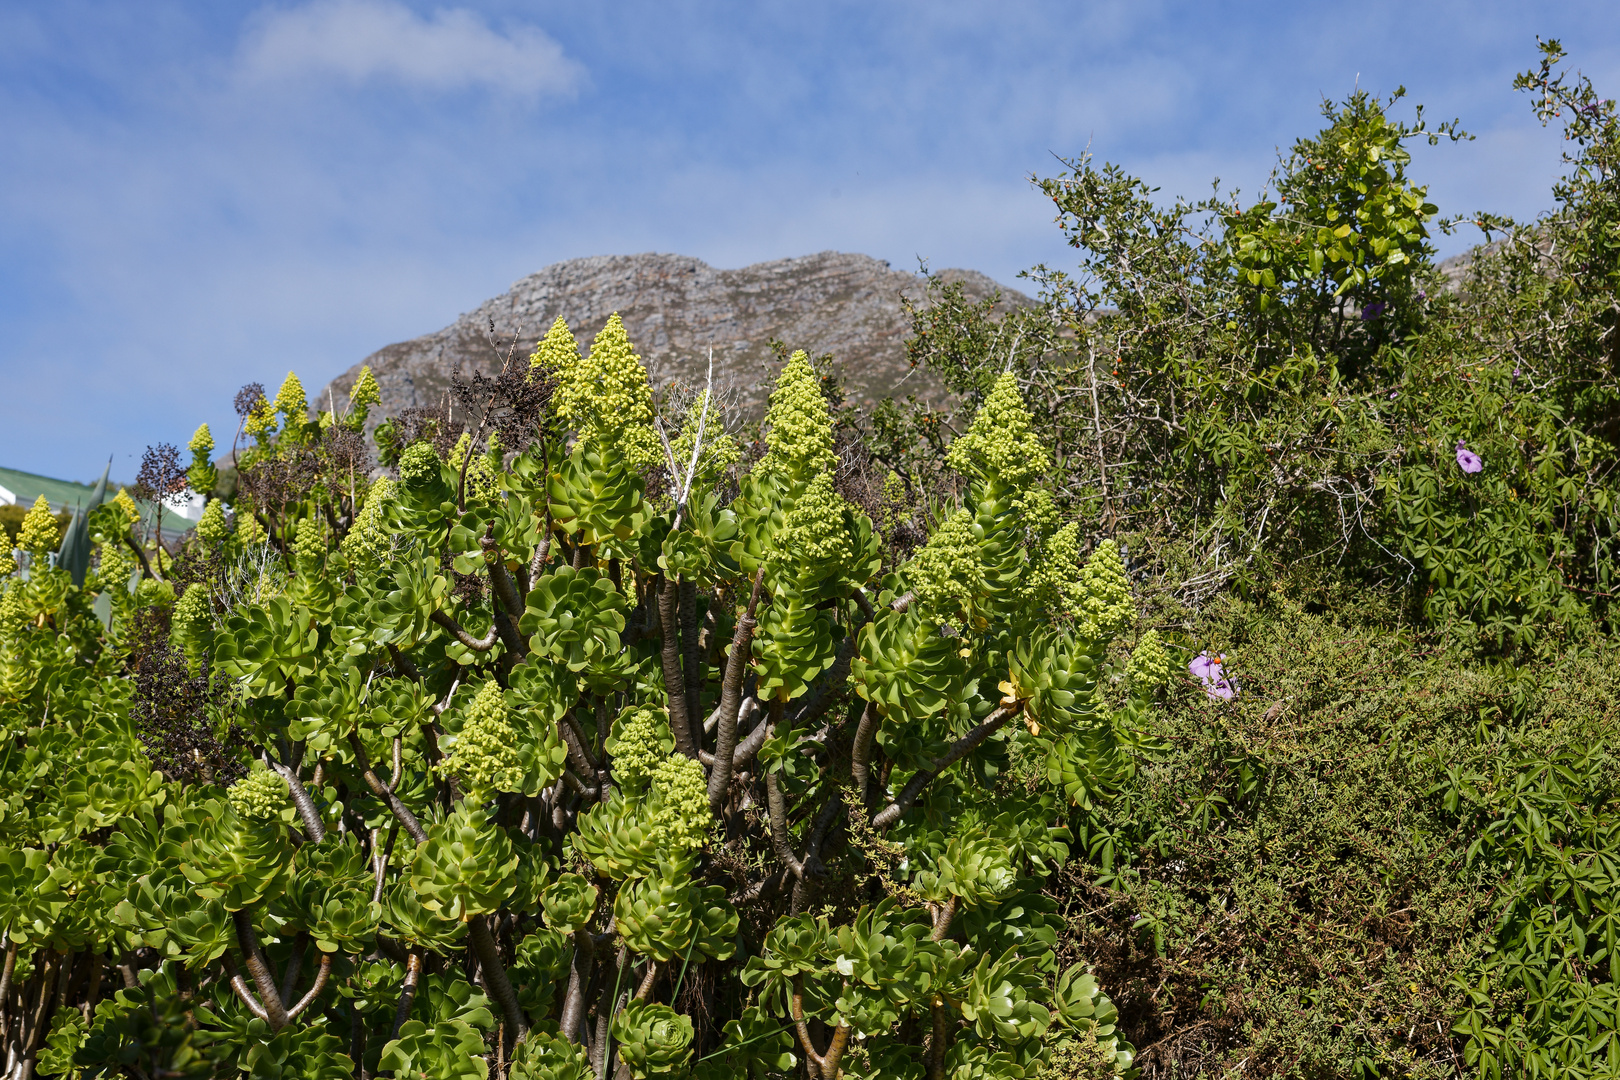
(66,495)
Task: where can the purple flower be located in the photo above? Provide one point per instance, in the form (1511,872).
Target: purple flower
(1469,460)
(1515,373)
(1373,310)
(1422,295)
(1207,670)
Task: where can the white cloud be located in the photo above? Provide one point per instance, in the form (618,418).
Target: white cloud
(362,40)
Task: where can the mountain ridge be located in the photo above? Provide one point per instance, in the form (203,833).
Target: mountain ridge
(675,308)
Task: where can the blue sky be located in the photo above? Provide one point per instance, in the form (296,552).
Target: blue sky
(196,195)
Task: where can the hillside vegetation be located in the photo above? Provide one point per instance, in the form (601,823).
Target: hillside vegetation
(1228,687)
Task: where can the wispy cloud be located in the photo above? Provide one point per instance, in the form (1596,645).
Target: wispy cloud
(364,40)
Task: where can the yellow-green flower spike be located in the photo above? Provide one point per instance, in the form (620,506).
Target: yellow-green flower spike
(607,400)
(202,443)
(945,572)
(193,609)
(481,487)
(290,401)
(212,527)
(1106,607)
(368,543)
(309,545)
(798,427)
(1054,583)
(39,534)
(260,796)
(557,352)
(485,756)
(249,533)
(1150,665)
(815,531)
(132,513)
(418,465)
(261,422)
(681,791)
(637,747)
(364,393)
(1001,442)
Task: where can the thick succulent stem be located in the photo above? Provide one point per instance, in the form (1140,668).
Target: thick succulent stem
(483,644)
(381,790)
(680,724)
(812,1059)
(323,973)
(6,976)
(725,743)
(606,1006)
(936,1045)
(944,917)
(777,807)
(500,987)
(579,982)
(295,964)
(748,747)
(692,659)
(644,991)
(275,1013)
(860,753)
(959,749)
(506,593)
(407,992)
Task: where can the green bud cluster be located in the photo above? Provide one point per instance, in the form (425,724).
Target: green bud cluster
(309,545)
(261,795)
(1001,442)
(1106,607)
(39,534)
(815,531)
(638,745)
(368,542)
(1150,665)
(212,526)
(362,396)
(681,817)
(481,488)
(194,610)
(798,428)
(418,465)
(1054,583)
(605,398)
(485,755)
(291,403)
(945,572)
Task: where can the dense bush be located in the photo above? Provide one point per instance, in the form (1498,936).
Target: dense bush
(1226,690)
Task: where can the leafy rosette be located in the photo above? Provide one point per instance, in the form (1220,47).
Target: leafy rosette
(466,865)
(448,1050)
(1056,678)
(543,1056)
(576,617)
(407,918)
(329,895)
(540,969)
(792,645)
(595,495)
(976,870)
(654,1040)
(906,666)
(659,915)
(269,645)
(402,616)
(235,860)
(569,903)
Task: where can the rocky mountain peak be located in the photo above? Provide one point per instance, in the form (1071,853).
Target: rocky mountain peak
(676,308)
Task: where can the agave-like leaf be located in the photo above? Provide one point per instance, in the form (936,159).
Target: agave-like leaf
(74,555)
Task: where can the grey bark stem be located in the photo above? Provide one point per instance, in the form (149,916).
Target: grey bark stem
(500,987)
(779,835)
(323,973)
(307,812)
(259,971)
(508,597)
(399,809)
(5,987)
(692,659)
(295,964)
(483,644)
(749,746)
(725,742)
(680,724)
(579,982)
(407,992)
(959,749)
(860,753)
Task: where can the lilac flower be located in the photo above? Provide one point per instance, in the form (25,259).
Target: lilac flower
(1469,460)
(1207,670)
(1422,295)
(1373,310)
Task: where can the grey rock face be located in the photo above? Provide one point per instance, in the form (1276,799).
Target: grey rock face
(675,309)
